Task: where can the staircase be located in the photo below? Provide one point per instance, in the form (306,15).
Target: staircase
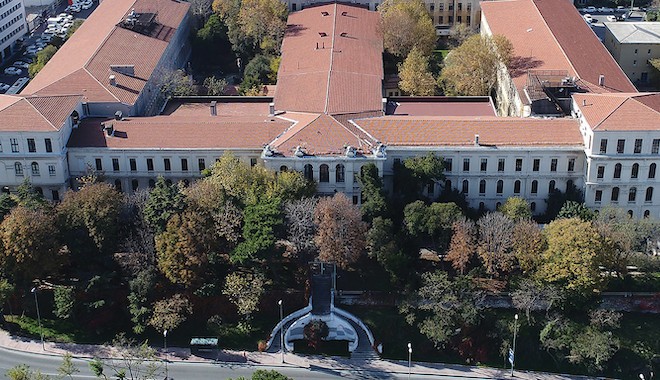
(321,294)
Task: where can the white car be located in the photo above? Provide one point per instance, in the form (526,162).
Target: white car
(75,8)
(4,87)
(605,10)
(87,5)
(589,9)
(611,18)
(21,64)
(587,17)
(13,71)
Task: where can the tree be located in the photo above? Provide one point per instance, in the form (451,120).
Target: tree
(299,215)
(30,244)
(462,246)
(176,83)
(29,197)
(244,290)
(573,209)
(68,367)
(373,197)
(64,299)
(528,244)
(6,290)
(535,296)
(258,68)
(516,208)
(405,25)
(315,331)
(134,361)
(458,33)
(570,257)
(496,243)
(215,86)
(170,313)
(201,8)
(341,232)
(471,69)
(138,299)
(594,348)
(382,244)
(264,21)
(7,202)
(262,374)
(415,77)
(426,169)
(183,248)
(164,201)
(23,372)
(72,29)
(41,60)
(260,229)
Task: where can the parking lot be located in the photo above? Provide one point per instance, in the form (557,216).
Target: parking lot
(31,39)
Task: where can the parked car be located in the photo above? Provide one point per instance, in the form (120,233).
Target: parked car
(21,64)
(86,5)
(587,17)
(605,10)
(589,9)
(75,8)
(611,18)
(13,71)
(4,87)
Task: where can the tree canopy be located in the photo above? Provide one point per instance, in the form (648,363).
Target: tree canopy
(415,78)
(406,25)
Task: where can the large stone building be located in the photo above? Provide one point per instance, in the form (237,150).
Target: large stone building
(12,26)
(328,119)
(633,45)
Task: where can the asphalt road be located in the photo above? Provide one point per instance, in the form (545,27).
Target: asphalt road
(198,371)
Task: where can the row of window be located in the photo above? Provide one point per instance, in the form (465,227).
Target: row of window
(135,184)
(12,33)
(450,19)
(441,6)
(10,10)
(11,22)
(634,171)
(324,172)
(31,143)
(632,195)
(5,2)
(167,164)
(499,186)
(34,167)
(637,148)
(501,164)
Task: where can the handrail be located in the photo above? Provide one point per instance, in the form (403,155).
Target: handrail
(357,321)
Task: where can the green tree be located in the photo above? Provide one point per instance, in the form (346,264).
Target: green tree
(176,83)
(471,69)
(64,299)
(244,290)
(516,208)
(215,86)
(260,230)
(164,201)
(382,244)
(573,209)
(170,313)
(68,367)
(138,299)
(406,25)
(373,196)
(72,29)
(41,60)
(7,202)
(29,197)
(258,68)
(414,74)
(262,374)
(23,372)
(570,257)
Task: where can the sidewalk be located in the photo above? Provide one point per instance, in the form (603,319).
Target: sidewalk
(178,354)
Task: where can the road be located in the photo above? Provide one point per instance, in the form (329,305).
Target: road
(201,371)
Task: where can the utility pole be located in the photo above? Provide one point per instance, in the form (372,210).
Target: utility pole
(513,352)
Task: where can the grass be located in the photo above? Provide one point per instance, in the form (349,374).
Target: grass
(54,330)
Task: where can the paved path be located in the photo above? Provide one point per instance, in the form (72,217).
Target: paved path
(312,363)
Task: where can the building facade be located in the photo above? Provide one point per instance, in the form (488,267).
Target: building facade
(12,26)
(633,45)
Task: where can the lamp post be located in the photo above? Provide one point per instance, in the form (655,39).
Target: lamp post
(281,330)
(409,359)
(515,332)
(41,329)
(165,348)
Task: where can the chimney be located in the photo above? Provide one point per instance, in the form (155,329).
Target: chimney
(317,46)
(119,115)
(384,100)
(112,80)
(214,108)
(584,102)
(476,140)
(109,129)
(601,80)
(271,109)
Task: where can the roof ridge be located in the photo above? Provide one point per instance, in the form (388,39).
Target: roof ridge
(105,39)
(634,97)
(40,114)
(347,129)
(332,53)
(363,130)
(101,84)
(295,123)
(610,114)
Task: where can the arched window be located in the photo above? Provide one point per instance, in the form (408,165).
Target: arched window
(118,185)
(569,185)
(615,194)
(18,167)
(649,194)
(630,213)
(535,186)
(35,168)
(324,173)
(632,194)
(465,187)
(135,184)
(652,171)
(308,172)
(532,206)
(635,171)
(516,187)
(448,185)
(339,173)
(500,186)
(552,186)
(283,168)
(152,183)
(617,171)
(647,213)
(482,186)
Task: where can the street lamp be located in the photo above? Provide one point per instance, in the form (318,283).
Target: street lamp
(281,330)
(409,359)
(41,329)
(515,332)
(165,347)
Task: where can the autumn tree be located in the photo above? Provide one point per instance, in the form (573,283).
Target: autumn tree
(406,24)
(516,208)
(458,33)
(496,243)
(532,295)
(264,21)
(463,243)
(244,290)
(30,246)
(164,201)
(528,244)
(570,257)
(415,78)
(341,232)
(169,313)
(183,248)
(471,69)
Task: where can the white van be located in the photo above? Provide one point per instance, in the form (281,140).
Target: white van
(55,20)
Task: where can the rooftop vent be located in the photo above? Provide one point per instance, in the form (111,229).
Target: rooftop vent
(344,13)
(476,139)
(214,108)
(344,34)
(119,115)
(271,109)
(108,128)
(112,80)
(323,34)
(601,80)
(324,13)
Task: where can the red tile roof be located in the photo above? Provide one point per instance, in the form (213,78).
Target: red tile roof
(36,113)
(460,131)
(179,132)
(441,106)
(620,112)
(551,35)
(82,64)
(331,61)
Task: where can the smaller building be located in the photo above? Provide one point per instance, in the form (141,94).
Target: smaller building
(12,26)
(633,45)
